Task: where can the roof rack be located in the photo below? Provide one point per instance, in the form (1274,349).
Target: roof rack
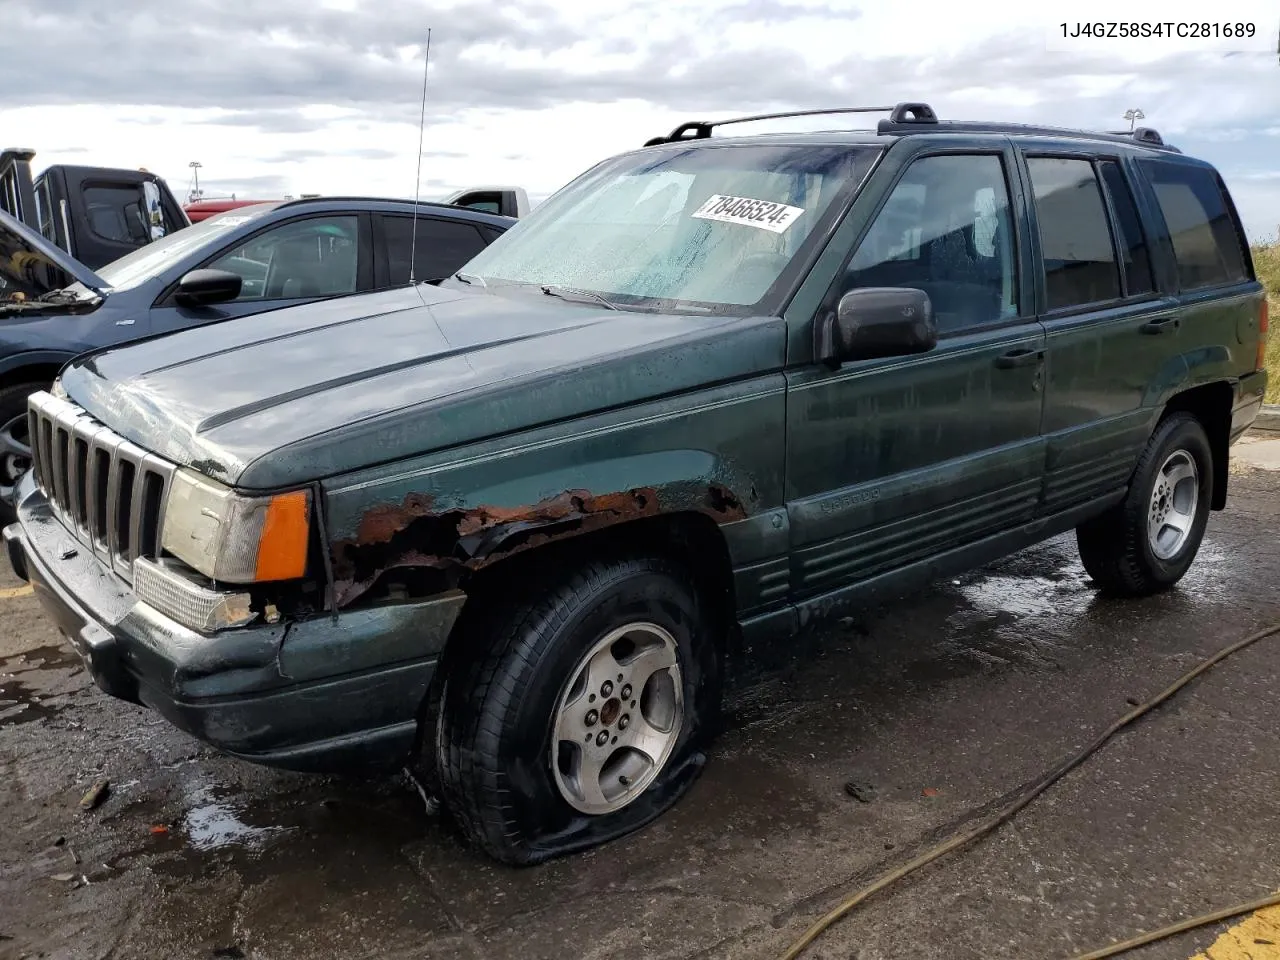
(909,117)
(902,113)
(1145,136)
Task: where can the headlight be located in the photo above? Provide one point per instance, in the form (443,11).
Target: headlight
(231,538)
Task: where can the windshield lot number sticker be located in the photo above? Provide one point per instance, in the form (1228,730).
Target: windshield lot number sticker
(765,214)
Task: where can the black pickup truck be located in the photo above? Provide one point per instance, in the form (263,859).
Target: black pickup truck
(96,214)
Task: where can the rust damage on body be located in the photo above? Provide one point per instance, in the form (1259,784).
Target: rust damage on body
(418,534)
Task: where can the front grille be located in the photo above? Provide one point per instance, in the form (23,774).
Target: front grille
(107,491)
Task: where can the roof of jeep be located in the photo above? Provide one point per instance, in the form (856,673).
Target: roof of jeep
(915,120)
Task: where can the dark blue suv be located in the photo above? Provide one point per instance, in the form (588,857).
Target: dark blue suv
(245,261)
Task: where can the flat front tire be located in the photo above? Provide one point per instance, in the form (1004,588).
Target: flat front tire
(1148,541)
(579,713)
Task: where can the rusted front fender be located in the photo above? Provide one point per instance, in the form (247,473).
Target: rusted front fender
(427,527)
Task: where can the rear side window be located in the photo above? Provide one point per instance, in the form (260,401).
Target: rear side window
(1075,237)
(1133,243)
(1206,244)
(443,247)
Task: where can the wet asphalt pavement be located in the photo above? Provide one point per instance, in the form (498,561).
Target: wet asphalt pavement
(937,709)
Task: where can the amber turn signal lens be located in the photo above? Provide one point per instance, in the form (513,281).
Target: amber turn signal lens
(282,551)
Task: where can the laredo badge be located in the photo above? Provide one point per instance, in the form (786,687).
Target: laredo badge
(764,214)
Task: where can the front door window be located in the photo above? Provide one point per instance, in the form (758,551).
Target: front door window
(947,230)
(315,257)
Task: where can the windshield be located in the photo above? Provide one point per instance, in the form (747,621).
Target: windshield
(706,227)
(139,266)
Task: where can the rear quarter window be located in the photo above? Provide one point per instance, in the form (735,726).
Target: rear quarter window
(1206,239)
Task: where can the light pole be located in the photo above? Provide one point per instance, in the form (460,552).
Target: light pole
(1133,115)
(195,173)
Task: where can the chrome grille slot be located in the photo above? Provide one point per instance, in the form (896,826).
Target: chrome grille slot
(107,491)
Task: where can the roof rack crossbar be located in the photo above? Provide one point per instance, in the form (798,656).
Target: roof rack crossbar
(701,129)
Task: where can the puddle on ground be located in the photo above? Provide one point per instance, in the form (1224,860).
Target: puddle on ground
(29,683)
(221,824)
(215,824)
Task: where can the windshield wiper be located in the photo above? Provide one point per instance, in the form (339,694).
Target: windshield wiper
(578,296)
(470,280)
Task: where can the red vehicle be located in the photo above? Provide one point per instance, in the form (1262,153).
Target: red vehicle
(199,210)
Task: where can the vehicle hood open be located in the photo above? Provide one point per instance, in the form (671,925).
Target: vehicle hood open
(33,266)
(313,391)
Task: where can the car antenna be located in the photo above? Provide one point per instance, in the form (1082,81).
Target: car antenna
(417,183)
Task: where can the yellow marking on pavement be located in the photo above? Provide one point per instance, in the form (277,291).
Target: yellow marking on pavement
(1256,937)
(8,593)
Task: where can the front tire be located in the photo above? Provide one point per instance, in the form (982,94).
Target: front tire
(1148,541)
(539,751)
(15,444)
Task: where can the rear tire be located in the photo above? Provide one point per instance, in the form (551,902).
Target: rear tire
(534,755)
(1147,542)
(15,445)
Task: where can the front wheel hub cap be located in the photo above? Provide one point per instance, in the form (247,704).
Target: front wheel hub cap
(603,773)
(1171,513)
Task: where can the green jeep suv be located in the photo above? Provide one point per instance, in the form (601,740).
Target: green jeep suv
(512,525)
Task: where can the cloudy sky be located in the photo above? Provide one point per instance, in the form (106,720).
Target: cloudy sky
(278,97)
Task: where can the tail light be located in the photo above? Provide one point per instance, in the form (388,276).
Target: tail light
(1263,321)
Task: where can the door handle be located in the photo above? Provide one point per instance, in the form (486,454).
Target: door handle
(1161,325)
(1019,358)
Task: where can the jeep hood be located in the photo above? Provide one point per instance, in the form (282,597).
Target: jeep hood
(32,265)
(308,392)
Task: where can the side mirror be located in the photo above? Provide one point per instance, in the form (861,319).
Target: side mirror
(202,287)
(877,322)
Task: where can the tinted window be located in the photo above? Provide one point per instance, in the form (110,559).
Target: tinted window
(315,257)
(1075,239)
(1133,244)
(443,247)
(1205,243)
(946,229)
(115,213)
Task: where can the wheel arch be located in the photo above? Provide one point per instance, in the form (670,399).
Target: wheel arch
(32,367)
(691,539)
(1210,403)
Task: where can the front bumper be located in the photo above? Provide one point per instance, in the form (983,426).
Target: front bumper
(314,695)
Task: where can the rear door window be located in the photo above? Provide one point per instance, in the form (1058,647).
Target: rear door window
(1206,242)
(1075,236)
(1133,242)
(443,247)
